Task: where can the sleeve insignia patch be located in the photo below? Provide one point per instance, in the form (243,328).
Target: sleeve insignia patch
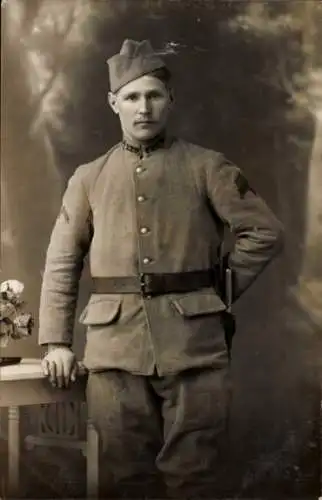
(242,185)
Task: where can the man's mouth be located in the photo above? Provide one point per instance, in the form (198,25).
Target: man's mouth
(144,122)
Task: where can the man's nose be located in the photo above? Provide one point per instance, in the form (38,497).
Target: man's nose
(144,106)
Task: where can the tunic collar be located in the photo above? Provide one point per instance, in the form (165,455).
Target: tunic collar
(159,142)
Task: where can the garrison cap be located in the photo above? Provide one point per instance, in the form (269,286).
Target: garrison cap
(134,60)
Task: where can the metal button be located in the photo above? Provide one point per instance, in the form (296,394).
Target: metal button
(146,260)
(141,198)
(139,170)
(144,230)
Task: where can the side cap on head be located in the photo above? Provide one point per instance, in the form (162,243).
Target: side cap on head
(134,60)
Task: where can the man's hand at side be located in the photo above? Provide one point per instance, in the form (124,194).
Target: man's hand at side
(60,365)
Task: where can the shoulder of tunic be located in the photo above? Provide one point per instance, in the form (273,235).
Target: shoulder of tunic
(197,152)
(200,157)
(89,172)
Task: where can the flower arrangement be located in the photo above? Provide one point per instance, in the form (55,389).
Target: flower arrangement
(14,323)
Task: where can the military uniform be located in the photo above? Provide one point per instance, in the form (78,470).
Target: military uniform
(158,361)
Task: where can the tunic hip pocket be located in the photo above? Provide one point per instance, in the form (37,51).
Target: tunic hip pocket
(101,310)
(198,304)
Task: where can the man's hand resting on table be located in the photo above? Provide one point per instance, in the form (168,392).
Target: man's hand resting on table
(60,365)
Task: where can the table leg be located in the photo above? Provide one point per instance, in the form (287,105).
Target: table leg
(13,449)
(92,459)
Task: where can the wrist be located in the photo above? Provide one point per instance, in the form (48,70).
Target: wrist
(52,346)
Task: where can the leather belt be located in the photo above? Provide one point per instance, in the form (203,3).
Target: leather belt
(148,284)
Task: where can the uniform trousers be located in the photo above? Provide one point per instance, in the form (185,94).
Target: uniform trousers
(160,436)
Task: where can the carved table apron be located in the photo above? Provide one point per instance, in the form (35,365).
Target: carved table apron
(24,384)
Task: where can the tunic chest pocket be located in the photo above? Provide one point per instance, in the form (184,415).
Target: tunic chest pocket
(101,310)
(198,304)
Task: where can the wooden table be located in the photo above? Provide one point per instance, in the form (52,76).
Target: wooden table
(24,384)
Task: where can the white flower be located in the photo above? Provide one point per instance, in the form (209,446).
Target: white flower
(7,310)
(23,324)
(12,288)
(13,323)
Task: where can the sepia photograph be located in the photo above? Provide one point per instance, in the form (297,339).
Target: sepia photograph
(161,249)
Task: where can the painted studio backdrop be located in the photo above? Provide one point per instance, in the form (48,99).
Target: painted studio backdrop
(248,82)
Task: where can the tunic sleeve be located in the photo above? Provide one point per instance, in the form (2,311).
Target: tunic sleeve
(258,233)
(68,246)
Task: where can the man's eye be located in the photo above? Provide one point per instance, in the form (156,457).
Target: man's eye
(155,95)
(131,97)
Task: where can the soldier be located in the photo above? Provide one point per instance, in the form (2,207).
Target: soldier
(150,214)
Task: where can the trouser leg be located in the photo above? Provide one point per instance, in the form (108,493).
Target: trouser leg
(122,408)
(195,405)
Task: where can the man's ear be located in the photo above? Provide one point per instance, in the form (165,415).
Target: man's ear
(113,102)
(171,94)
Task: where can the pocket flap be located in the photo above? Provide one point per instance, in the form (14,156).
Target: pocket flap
(101,310)
(198,303)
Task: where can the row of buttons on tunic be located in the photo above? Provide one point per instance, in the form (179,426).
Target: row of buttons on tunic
(143,230)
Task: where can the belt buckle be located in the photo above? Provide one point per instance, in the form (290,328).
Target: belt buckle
(145,282)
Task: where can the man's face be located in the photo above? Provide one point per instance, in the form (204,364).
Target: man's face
(143,107)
